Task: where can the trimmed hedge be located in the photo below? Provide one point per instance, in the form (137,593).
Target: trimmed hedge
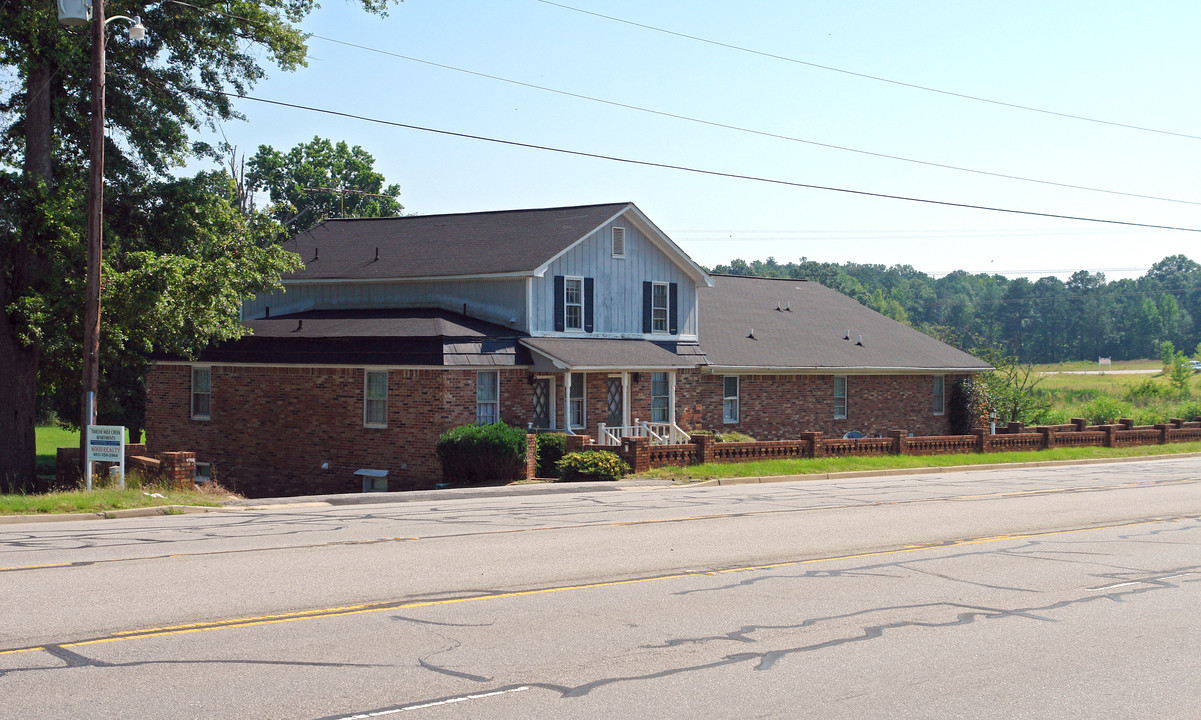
(592,465)
(550,447)
(479,453)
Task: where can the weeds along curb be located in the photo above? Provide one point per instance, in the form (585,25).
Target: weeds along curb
(935,469)
(110,514)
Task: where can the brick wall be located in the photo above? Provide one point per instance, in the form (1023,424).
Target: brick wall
(780,407)
(272,429)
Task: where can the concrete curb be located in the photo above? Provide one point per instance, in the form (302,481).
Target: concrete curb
(110,514)
(930,470)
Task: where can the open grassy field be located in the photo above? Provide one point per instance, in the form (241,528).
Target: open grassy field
(103,500)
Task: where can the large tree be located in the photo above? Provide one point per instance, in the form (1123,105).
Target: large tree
(318,180)
(159,91)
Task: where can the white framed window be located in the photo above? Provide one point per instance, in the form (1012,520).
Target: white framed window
(573,303)
(487,397)
(202,392)
(840,397)
(204,472)
(659,304)
(619,242)
(375,398)
(729,400)
(660,398)
(940,396)
(576,417)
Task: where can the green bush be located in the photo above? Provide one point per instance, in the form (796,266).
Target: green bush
(592,465)
(1189,410)
(732,436)
(550,448)
(1151,414)
(477,453)
(1105,410)
(1147,391)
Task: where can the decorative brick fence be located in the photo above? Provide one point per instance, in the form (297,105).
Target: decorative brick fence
(642,456)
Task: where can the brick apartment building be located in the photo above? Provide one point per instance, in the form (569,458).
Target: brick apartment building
(584,319)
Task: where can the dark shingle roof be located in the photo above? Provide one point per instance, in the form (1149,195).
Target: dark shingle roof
(483,243)
(584,353)
(811,334)
(417,336)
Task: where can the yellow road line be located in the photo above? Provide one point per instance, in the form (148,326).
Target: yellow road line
(346,610)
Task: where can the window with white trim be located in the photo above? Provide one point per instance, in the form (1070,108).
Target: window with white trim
(575,402)
(659,305)
(573,303)
(202,392)
(619,242)
(940,397)
(375,398)
(660,398)
(729,400)
(840,397)
(487,397)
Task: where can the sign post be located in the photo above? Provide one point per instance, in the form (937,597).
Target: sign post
(106,443)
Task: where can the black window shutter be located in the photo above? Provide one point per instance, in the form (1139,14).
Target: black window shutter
(647,289)
(673,309)
(587,304)
(559,324)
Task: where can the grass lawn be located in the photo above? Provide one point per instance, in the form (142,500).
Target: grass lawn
(769,468)
(49,438)
(103,499)
(1147,364)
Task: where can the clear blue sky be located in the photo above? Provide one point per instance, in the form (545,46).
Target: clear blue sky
(1131,63)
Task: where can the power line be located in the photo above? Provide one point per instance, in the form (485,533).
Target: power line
(915,86)
(738,128)
(711,123)
(698,171)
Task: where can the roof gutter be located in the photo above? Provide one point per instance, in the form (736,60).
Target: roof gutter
(828,370)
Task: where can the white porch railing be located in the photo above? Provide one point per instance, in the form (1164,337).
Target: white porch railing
(660,433)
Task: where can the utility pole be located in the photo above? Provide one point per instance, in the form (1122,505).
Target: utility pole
(91,307)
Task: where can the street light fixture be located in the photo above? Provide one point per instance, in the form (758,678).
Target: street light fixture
(79,12)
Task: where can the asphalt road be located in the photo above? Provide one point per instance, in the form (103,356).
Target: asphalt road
(1051,592)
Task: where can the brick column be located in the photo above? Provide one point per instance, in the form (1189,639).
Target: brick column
(637,452)
(1080,424)
(1163,433)
(900,441)
(983,440)
(1176,422)
(1111,435)
(179,469)
(1048,434)
(531,456)
(1126,423)
(815,444)
(704,448)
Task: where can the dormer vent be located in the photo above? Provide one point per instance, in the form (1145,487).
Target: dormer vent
(268,312)
(376,255)
(779,307)
(299,326)
(316,254)
(788,307)
(847,336)
(860,342)
(751,335)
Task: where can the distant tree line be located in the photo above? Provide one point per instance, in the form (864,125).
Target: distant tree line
(1045,320)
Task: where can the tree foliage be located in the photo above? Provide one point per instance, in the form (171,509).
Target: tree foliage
(176,257)
(318,180)
(1042,320)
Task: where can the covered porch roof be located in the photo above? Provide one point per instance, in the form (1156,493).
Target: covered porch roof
(597,354)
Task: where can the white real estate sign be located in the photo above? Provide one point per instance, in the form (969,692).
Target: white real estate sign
(106,443)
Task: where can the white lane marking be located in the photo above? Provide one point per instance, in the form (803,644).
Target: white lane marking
(406,708)
(1137,582)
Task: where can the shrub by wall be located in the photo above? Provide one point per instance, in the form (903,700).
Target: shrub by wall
(592,465)
(478,453)
(551,447)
